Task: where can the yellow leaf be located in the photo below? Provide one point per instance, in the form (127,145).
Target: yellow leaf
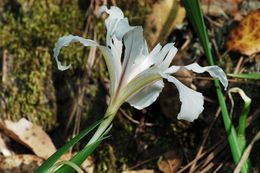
(170,162)
(246,37)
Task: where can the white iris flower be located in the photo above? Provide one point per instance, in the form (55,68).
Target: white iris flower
(136,76)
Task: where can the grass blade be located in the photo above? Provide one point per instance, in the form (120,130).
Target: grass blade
(242,119)
(196,18)
(255,76)
(79,158)
(52,159)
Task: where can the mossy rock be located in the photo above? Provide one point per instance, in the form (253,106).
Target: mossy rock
(27,88)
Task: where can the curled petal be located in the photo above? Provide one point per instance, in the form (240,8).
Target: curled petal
(113,64)
(192,101)
(65,41)
(214,71)
(146,96)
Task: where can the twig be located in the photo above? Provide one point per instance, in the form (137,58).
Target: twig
(133,120)
(143,162)
(218,168)
(214,22)
(211,79)
(239,64)
(204,141)
(202,155)
(211,156)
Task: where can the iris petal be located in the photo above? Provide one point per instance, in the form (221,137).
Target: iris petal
(116,24)
(65,41)
(113,65)
(135,46)
(146,96)
(192,101)
(214,71)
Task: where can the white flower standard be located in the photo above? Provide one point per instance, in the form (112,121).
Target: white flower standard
(136,76)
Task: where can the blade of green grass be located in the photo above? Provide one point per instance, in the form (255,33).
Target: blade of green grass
(196,18)
(255,76)
(81,156)
(242,119)
(52,159)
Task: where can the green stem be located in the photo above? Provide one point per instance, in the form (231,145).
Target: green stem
(196,18)
(230,130)
(83,154)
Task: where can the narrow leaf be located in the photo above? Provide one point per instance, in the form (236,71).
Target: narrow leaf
(196,18)
(255,76)
(51,160)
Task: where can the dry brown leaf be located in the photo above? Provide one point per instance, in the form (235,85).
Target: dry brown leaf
(165,16)
(220,7)
(30,135)
(140,171)
(4,150)
(19,163)
(26,163)
(170,163)
(246,37)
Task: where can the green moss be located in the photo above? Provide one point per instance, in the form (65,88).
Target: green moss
(29,39)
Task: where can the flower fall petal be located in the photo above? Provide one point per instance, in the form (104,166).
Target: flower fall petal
(113,65)
(146,96)
(214,71)
(192,101)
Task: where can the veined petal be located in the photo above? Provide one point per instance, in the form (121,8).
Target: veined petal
(113,65)
(146,96)
(161,55)
(192,101)
(145,62)
(168,59)
(116,49)
(214,71)
(135,46)
(142,80)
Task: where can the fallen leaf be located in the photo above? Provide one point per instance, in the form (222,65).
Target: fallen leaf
(246,37)
(3,148)
(140,171)
(19,163)
(170,162)
(30,135)
(165,16)
(220,7)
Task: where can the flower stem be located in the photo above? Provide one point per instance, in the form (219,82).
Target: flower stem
(94,142)
(109,116)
